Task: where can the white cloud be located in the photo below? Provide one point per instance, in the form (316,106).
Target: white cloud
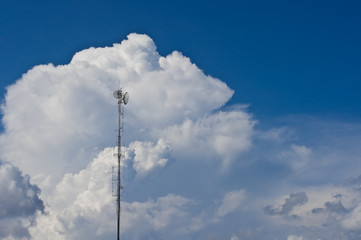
(149,156)
(19,200)
(82,206)
(81,199)
(59,115)
(56,118)
(224,135)
(18,196)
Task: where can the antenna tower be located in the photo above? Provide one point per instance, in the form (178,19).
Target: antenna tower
(122,99)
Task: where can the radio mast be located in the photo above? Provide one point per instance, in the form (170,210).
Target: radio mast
(122,99)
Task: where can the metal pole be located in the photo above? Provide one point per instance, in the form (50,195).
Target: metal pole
(119,158)
(122,98)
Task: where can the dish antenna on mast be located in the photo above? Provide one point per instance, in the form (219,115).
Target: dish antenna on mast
(122,98)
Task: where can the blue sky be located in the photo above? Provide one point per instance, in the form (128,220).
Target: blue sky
(282,57)
(250,130)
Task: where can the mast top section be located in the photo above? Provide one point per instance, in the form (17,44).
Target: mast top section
(122,97)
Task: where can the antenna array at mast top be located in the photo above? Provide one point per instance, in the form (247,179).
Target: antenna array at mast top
(123,98)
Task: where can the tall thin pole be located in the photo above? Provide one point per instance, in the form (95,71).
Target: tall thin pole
(119,155)
(122,98)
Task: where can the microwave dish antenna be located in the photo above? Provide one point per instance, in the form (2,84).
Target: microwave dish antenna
(122,97)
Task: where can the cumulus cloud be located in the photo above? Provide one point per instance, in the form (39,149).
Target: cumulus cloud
(18,196)
(63,116)
(59,128)
(19,200)
(82,199)
(148,156)
(224,135)
(60,115)
(82,206)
